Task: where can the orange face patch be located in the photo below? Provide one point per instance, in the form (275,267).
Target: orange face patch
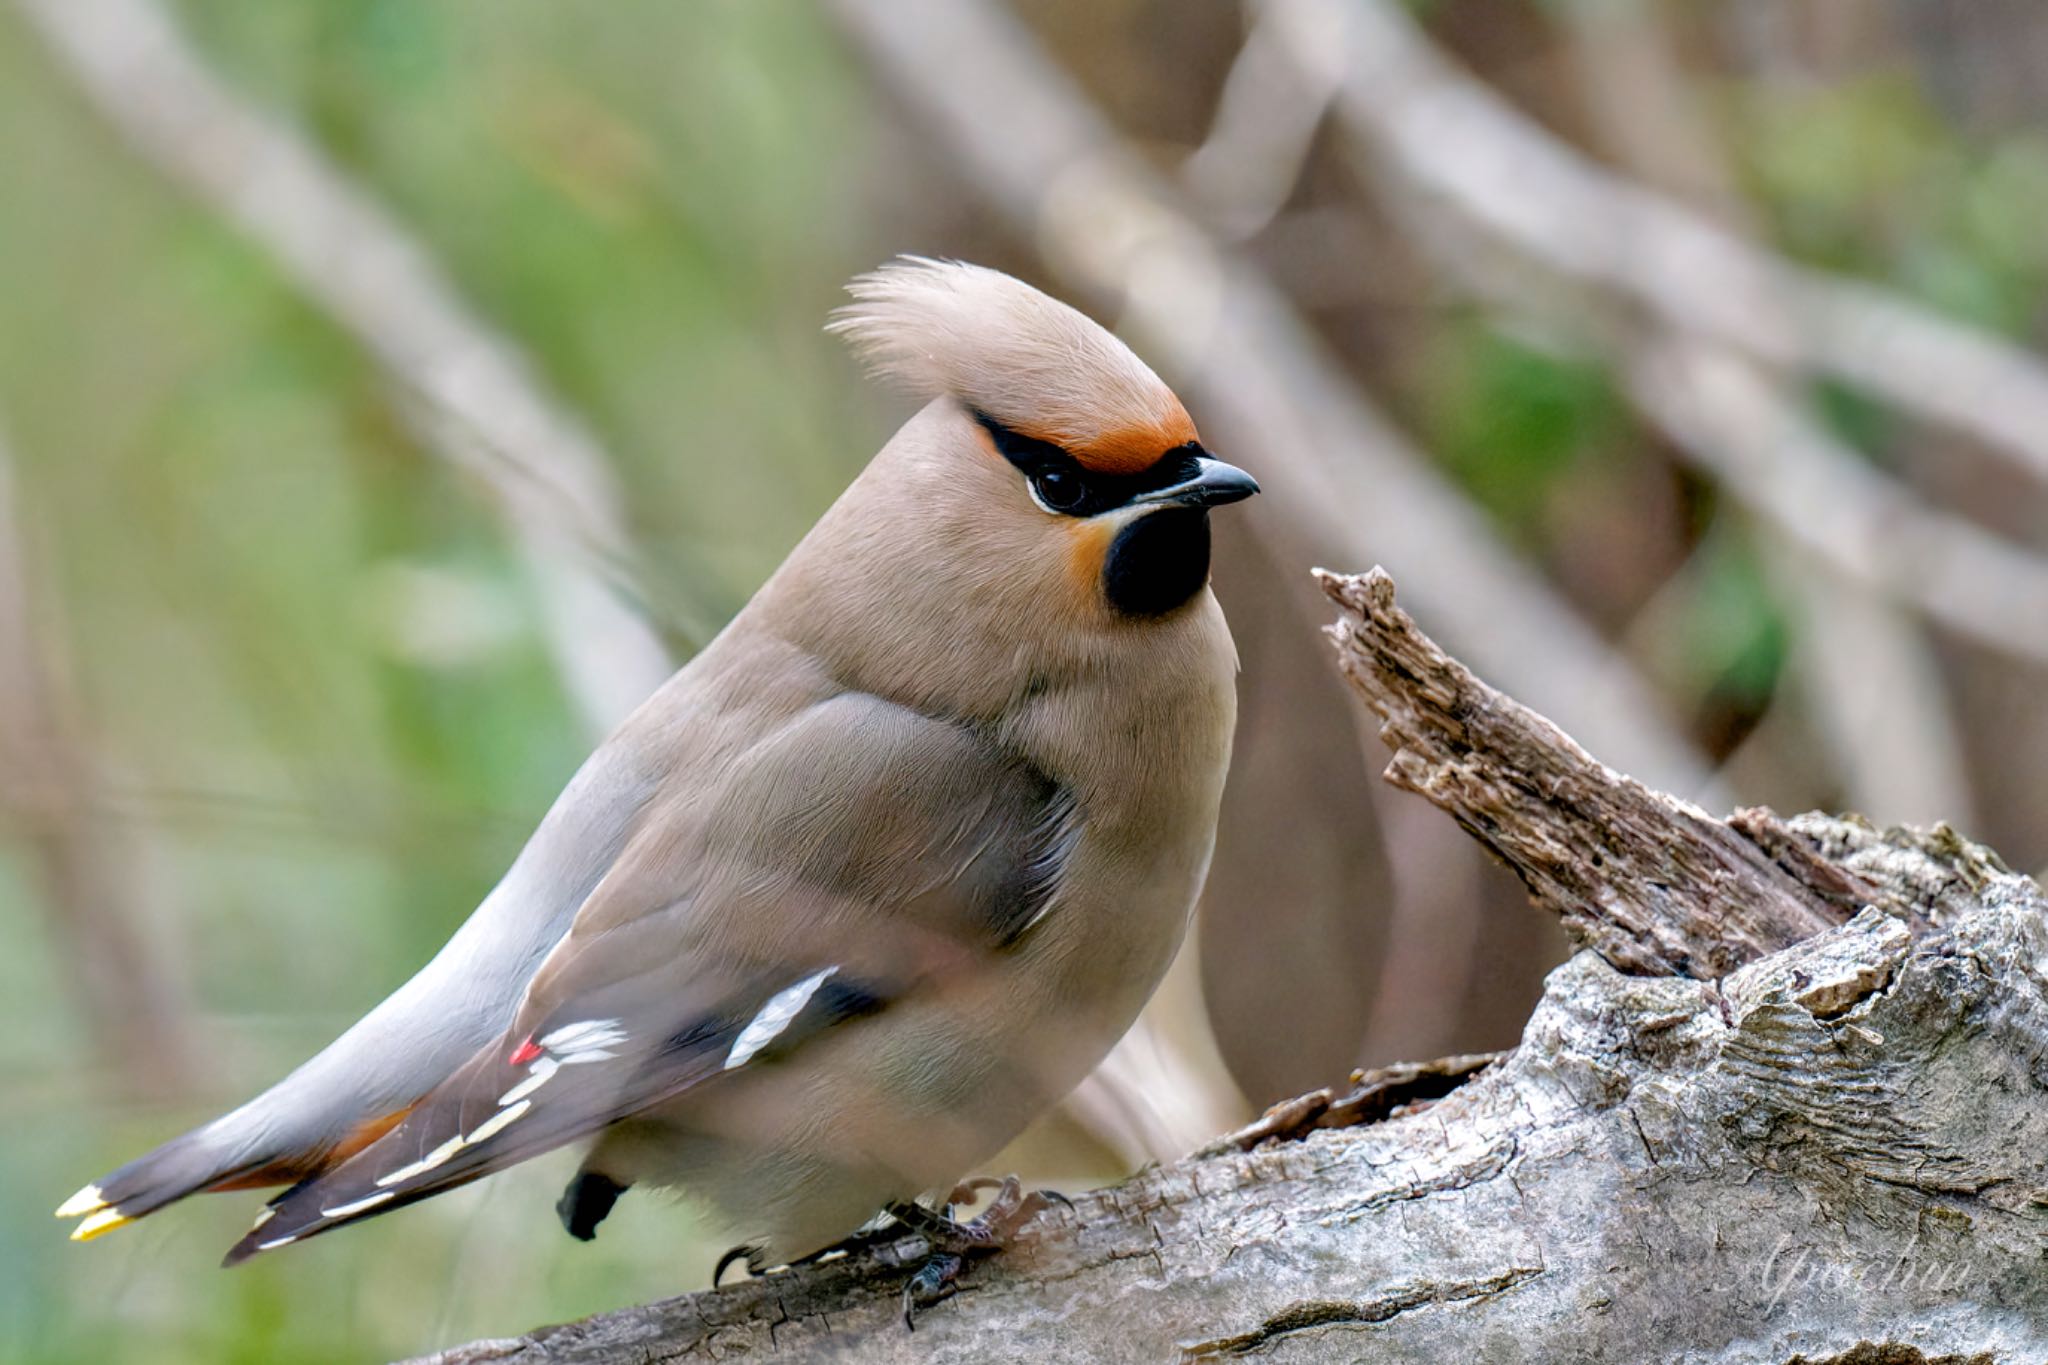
(1127,450)
(1087,548)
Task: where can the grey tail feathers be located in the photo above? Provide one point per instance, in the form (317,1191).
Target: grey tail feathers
(198,1160)
(458,1002)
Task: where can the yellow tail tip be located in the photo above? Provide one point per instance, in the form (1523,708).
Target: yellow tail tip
(87,1200)
(106,1220)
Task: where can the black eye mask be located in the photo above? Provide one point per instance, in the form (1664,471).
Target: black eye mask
(1061,484)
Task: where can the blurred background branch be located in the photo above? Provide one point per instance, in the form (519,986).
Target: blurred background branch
(1454,137)
(105,905)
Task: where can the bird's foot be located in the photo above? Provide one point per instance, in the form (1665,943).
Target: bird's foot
(953,1242)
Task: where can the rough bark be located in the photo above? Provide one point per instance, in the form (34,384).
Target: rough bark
(1786,1105)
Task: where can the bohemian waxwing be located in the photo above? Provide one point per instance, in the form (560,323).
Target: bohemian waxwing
(873,881)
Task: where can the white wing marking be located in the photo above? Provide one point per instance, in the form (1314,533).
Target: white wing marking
(774,1017)
(497,1122)
(536,1076)
(367,1202)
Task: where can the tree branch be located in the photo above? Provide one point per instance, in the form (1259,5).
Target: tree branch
(1787,1107)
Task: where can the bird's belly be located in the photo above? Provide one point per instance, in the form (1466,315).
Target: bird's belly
(794,1157)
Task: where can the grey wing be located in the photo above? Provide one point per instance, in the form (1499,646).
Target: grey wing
(846,860)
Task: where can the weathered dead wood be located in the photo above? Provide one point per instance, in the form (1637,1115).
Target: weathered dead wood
(1651,883)
(1788,1106)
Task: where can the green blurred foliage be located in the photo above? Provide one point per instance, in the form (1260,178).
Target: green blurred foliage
(1735,634)
(1514,416)
(1866,175)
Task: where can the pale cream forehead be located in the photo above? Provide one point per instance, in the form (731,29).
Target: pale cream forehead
(1006,349)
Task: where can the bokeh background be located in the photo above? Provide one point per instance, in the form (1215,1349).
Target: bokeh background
(391,392)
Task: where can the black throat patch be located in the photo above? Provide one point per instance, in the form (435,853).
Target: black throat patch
(1158,562)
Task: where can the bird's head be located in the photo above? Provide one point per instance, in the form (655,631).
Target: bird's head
(1056,449)
(1044,515)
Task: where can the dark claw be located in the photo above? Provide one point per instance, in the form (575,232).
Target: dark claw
(935,1281)
(1047,1198)
(738,1253)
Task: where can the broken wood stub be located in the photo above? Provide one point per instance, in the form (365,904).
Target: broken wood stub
(1653,884)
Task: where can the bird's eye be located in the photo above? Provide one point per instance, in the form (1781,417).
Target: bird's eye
(1059,489)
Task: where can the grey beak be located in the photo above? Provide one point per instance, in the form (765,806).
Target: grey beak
(1214,484)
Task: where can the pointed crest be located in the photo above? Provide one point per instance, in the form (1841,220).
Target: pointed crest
(1005,349)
